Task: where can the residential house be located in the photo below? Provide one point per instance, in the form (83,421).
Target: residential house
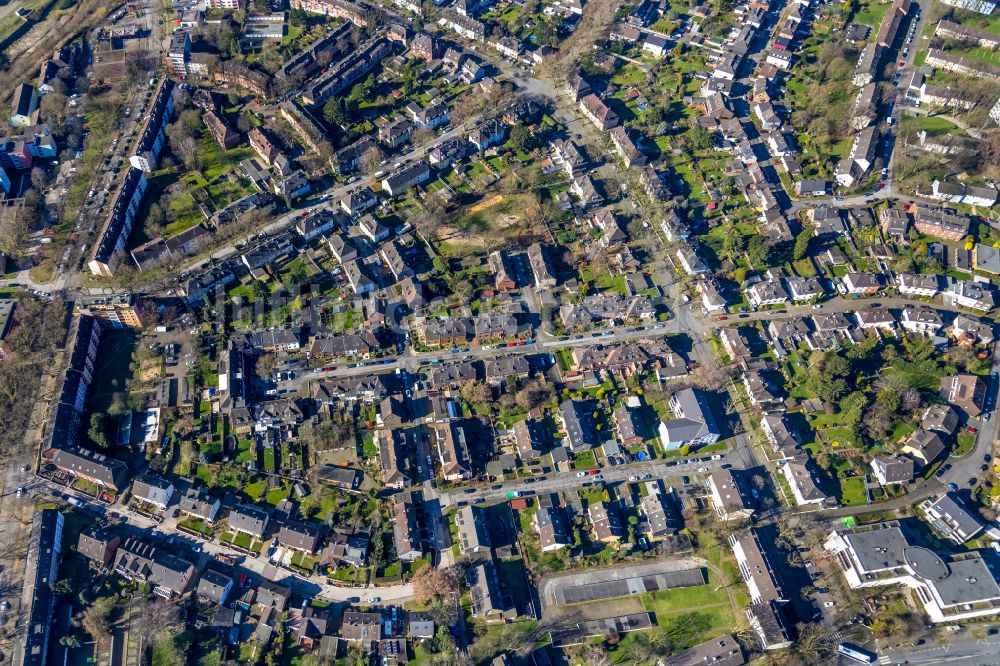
(550,524)
(801,479)
(577,424)
(728,499)
(694,424)
(198,504)
(473,531)
(917,285)
(966,392)
(98,545)
(214,586)
(300,536)
(248,519)
(406,526)
(950,589)
(940,418)
(921,320)
(453,450)
(140,562)
(951,518)
(892,470)
(924,447)
(598,112)
(605,523)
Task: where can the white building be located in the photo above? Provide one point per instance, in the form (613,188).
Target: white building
(917,285)
(767,292)
(979,6)
(921,320)
(880,555)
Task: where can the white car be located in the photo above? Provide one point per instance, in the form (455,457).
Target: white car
(829,604)
(633,478)
(373,600)
(702,469)
(580,474)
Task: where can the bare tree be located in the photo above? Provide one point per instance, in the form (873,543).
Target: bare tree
(156,617)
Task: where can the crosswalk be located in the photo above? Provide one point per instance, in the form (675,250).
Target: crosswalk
(885,659)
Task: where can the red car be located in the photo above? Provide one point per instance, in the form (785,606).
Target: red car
(592,472)
(723,318)
(971,429)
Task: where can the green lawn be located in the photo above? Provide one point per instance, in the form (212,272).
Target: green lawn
(872,14)
(9,24)
(852,491)
(933,124)
(966,441)
(584,460)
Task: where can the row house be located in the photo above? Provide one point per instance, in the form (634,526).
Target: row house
(941,223)
(859,159)
(627,150)
(766,292)
(598,112)
(351,345)
(950,62)
(923,321)
(444,332)
(960,193)
(969,294)
(917,285)
(861,283)
(449,440)
(489,327)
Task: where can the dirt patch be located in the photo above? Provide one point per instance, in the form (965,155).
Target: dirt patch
(483,205)
(150,370)
(596,610)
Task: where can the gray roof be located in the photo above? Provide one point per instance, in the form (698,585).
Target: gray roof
(249,519)
(107,471)
(696,418)
(141,561)
(214,586)
(757,566)
(968,582)
(941,418)
(956,518)
(721,651)
(879,549)
(895,469)
(300,535)
(152,488)
(484,588)
(578,423)
(473,533)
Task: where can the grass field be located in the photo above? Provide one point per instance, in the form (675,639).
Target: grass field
(9,24)
(852,491)
(933,124)
(872,14)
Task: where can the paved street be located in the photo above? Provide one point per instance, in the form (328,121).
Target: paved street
(694,468)
(970,652)
(688,320)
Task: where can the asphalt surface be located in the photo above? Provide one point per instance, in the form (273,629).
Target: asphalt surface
(970,652)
